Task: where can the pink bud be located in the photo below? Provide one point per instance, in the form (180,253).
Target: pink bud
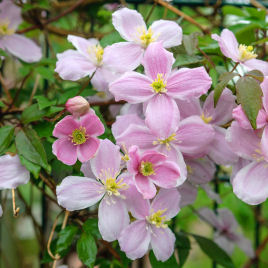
(77,106)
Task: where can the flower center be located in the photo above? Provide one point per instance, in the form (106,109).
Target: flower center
(246,53)
(112,186)
(258,156)
(165,141)
(146,36)
(146,168)
(4,29)
(97,52)
(159,84)
(206,119)
(158,219)
(79,136)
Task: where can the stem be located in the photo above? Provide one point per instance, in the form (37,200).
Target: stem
(85,84)
(235,66)
(15,210)
(150,12)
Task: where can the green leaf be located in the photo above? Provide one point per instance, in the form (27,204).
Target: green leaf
(3,53)
(190,43)
(44,102)
(86,249)
(224,80)
(110,39)
(249,95)
(231,10)
(33,168)
(46,73)
(184,246)
(6,135)
(184,59)
(214,251)
(30,147)
(90,226)
(66,237)
(32,113)
(44,129)
(256,74)
(170,263)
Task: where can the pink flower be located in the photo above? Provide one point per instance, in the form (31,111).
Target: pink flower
(250,183)
(131,26)
(89,57)
(77,138)
(151,168)
(239,53)
(75,193)
(226,235)
(12,172)
(160,86)
(218,149)
(150,230)
(262,117)
(77,106)
(17,45)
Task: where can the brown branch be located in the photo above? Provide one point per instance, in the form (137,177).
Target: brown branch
(258,5)
(106,103)
(48,183)
(206,56)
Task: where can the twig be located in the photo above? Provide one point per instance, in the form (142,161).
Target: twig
(234,67)
(106,103)
(15,210)
(85,84)
(206,56)
(5,88)
(36,82)
(48,183)
(258,5)
(150,12)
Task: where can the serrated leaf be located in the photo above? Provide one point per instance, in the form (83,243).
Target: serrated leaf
(256,74)
(86,249)
(249,95)
(213,251)
(30,147)
(183,245)
(170,263)
(224,80)
(32,113)
(6,136)
(65,238)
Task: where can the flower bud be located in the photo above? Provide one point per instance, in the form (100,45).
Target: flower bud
(77,106)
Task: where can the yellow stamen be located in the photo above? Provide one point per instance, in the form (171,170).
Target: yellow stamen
(97,51)
(206,119)
(246,53)
(159,84)
(79,136)
(165,141)
(146,36)
(112,186)
(147,168)
(158,219)
(189,169)
(4,28)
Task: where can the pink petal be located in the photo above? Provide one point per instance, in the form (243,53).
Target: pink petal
(157,60)
(145,186)
(209,216)
(88,149)
(65,127)
(87,170)
(166,175)
(73,66)
(264,86)
(264,143)
(169,32)
(127,22)
(132,87)
(113,218)
(220,150)
(245,245)
(12,172)
(129,59)
(187,83)
(65,151)
(224,243)
(153,157)
(228,44)
(169,200)
(76,193)
(22,47)
(222,114)
(255,64)
(92,124)
(108,158)
(250,183)
(194,136)
(162,116)
(188,194)
(11,13)
(163,242)
(134,240)
(189,107)
(134,161)
(227,219)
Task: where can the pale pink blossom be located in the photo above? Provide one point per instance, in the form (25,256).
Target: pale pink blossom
(150,230)
(77,138)
(102,183)
(151,168)
(226,235)
(17,45)
(131,26)
(77,106)
(239,52)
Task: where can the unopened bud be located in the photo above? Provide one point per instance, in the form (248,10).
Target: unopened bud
(77,106)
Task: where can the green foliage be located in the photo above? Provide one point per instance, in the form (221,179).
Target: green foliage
(171,262)
(6,136)
(183,245)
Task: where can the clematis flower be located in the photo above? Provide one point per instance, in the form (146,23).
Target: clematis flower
(12,172)
(150,230)
(75,193)
(226,235)
(131,26)
(239,53)
(77,106)
(77,138)
(151,168)
(89,57)
(218,150)
(250,183)
(17,45)
(241,118)
(160,86)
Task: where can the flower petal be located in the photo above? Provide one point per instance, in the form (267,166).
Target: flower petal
(189,107)
(145,186)
(76,193)
(264,87)
(88,149)
(11,13)
(113,218)
(153,157)
(210,217)
(255,64)
(245,245)
(169,32)
(187,83)
(188,194)
(65,127)
(92,124)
